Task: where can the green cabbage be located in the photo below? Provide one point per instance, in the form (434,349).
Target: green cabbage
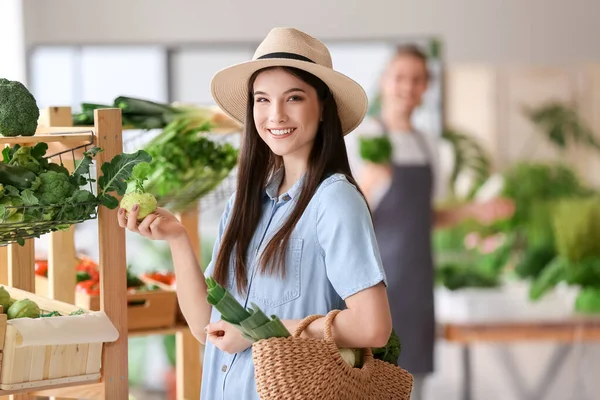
(23,308)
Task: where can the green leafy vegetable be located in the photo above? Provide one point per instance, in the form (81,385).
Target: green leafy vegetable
(51,198)
(391,351)
(377,150)
(187,164)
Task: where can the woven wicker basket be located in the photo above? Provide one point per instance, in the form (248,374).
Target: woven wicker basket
(297,368)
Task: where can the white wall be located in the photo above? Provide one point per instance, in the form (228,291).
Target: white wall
(508,31)
(12,43)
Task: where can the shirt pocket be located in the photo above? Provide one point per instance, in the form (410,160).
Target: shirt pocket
(272,290)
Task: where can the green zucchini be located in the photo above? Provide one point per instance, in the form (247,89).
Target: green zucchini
(18,177)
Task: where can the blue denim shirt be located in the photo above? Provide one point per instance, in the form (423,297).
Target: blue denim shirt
(332,254)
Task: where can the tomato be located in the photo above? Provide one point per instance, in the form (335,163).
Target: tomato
(168,278)
(41,267)
(89,266)
(89,287)
(86,264)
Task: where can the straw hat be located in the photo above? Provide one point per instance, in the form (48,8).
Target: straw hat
(293,48)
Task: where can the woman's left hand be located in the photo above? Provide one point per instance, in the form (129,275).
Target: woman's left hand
(226,337)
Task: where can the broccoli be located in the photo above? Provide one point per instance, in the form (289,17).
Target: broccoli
(391,351)
(55,188)
(19,111)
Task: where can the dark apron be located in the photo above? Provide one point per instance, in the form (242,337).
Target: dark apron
(403,226)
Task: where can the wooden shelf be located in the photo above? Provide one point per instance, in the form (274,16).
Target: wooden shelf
(160,331)
(17,262)
(87,391)
(58,139)
(16,267)
(72,387)
(52,135)
(576,329)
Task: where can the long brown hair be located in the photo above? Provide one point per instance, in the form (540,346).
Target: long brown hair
(257,164)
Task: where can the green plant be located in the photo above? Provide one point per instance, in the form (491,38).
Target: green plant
(562,125)
(469,157)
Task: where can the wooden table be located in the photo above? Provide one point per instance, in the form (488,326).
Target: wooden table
(567,334)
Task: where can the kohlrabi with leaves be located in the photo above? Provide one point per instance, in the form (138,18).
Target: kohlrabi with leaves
(136,193)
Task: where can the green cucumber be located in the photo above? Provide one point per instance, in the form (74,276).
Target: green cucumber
(18,177)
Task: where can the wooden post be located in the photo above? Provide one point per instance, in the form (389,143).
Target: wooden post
(189,364)
(21,262)
(113,262)
(21,276)
(3,265)
(61,255)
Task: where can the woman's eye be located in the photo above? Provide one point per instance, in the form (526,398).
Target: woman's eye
(295,98)
(260,99)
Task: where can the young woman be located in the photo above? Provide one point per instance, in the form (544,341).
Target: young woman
(296,238)
(401,195)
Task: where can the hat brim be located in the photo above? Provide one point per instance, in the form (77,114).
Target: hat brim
(229,88)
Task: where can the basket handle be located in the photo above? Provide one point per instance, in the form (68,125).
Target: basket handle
(305,323)
(328,321)
(312,318)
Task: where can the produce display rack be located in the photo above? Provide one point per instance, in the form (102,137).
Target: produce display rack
(17,266)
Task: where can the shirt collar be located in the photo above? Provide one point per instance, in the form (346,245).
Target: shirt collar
(272,187)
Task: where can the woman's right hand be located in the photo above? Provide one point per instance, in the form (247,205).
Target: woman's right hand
(160,225)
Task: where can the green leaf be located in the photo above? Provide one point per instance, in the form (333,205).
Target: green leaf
(10,190)
(550,276)
(117,172)
(29,198)
(39,150)
(6,154)
(141,171)
(108,201)
(83,166)
(93,152)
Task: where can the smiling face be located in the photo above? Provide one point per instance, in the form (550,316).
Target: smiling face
(404,83)
(286,112)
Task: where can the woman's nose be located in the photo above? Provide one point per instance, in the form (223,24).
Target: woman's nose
(277,114)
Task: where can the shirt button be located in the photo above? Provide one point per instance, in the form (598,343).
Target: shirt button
(224,368)
(286,198)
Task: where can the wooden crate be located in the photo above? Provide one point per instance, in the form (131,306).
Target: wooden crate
(179,318)
(46,365)
(145,309)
